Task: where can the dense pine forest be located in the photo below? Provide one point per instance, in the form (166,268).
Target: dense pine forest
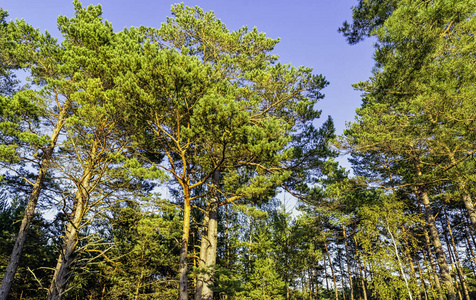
(151,163)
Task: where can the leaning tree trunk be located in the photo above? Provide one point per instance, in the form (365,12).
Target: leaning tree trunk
(430,253)
(208,246)
(71,239)
(66,257)
(32,202)
(435,240)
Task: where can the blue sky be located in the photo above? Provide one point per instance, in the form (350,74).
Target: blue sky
(307,28)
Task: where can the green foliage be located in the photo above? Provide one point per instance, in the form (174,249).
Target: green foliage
(39,253)
(367,16)
(381,239)
(135,254)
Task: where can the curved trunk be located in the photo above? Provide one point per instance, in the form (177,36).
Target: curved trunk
(31,206)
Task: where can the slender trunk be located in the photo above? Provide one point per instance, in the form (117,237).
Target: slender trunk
(325,274)
(471,234)
(332,270)
(227,246)
(468,203)
(399,262)
(422,280)
(430,253)
(451,258)
(209,245)
(433,264)
(183,289)
(457,260)
(364,289)
(410,262)
(341,274)
(32,202)
(435,240)
(470,247)
(348,264)
(227,241)
(286,266)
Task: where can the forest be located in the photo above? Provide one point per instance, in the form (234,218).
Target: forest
(150,163)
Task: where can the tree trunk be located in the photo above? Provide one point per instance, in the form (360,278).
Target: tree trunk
(348,264)
(410,262)
(204,244)
(71,239)
(332,270)
(31,206)
(430,253)
(470,247)
(399,262)
(183,289)
(457,260)
(450,255)
(468,203)
(435,239)
(364,289)
(341,274)
(433,264)
(325,274)
(423,283)
(208,246)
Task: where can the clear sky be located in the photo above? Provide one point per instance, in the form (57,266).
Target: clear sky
(307,28)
